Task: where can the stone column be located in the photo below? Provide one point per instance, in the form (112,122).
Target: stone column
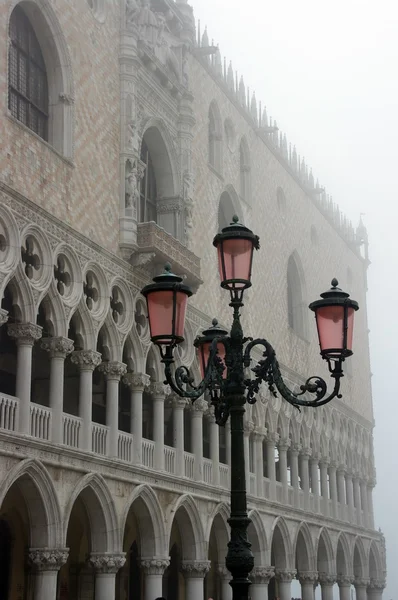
(195,572)
(158,391)
(308,579)
(361,585)
(214,446)
(314,461)
(294,454)
(198,408)
(283,448)
(58,348)
(284,578)
(333,489)
(272,439)
(260,577)
(25,334)
(3,316)
(87,361)
(364,502)
(154,569)
(46,563)
(304,469)
(106,565)
(324,486)
(357,499)
(225,576)
(259,464)
(344,582)
(375,589)
(327,582)
(371,484)
(350,497)
(137,382)
(248,427)
(340,476)
(113,371)
(179,405)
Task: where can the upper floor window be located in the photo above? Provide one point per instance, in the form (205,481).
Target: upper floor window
(296,305)
(148,192)
(28,90)
(215,138)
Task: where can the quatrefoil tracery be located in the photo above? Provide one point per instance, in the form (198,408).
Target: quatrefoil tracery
(30,258)
(61,275)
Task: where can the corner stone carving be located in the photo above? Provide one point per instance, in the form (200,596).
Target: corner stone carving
(196,569)
(137,381)
(86,360)
(262,574)
(47,559)
(57,346)
(154,566)
(25,333)
(107,563)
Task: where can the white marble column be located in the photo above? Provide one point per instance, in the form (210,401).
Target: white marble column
(154,569)
(308,580)
(25,335)
(323,465)
(113,371)
(225,576)
(158,391)
(179,405)
(305,475)
(341,492)
(137,382)
(350,497)
(284,578)
(214,445)
(357,499)
(106,565)
(272,439)
(294,469)
(314,462)
(3,316)
(258,462)
(361,585)
(364,502)
(46,563)
(283,448)
(87,361)
(344,583)
(375,589)
(327,582)
(198,408)
(58,349)
(371,484)
(248,428)
(260,578)
(194,572)
(333,489)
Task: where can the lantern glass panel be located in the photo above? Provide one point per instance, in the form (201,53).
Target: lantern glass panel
(330,323)
(204,353)
(237,260)
(160,313)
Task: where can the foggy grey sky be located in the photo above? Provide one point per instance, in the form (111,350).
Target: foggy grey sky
(327,73)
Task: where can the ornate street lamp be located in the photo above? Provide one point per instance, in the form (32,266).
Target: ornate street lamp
(223,359)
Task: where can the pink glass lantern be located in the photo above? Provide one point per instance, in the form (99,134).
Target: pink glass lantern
(204,343)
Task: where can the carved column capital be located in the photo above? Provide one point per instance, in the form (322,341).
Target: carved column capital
(361,582)
(295,449)
(178,402)
(308,576)
(272,438)
(113,370)
(285,575)
(48,559)
(377,584)
(104,562)
(196,569)
(223,572)
(137,381)
(327,578)
(158,389)
(86,360)
(154,566)
(57,347)
(306,453)
(199,407)
(248,427)
(262,574)
(25,334)
(3,316)
(345,580)
(284,444)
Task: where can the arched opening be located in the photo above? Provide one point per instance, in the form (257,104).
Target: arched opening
(41,364)
(279,560)
(226,210)
(173,580)
(296,305)
(218,541)
(8,348)
(244,171)
(99,382)
(5,558)
(215,137)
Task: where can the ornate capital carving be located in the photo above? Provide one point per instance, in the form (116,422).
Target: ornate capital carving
(104,562)
(306,452)
(178,402)
(344,580)
(272,437)
(248,427)
(57,347)
(48,559)
(200,406)
(223,572)
(308,576)
(361,582)
(196,568)
(377,584)
(87,360)
(113,369)
(327,578)
(154,566)
(158,389)
(3,316)
(137,381)
(262,574)
(295,449)
(67,99)
(285,575)
(25,334)
(284,444)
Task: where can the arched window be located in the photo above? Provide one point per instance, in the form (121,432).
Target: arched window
(148,192)
(28,91)
(215,138)
(296,308)
(244,167)
(226,210)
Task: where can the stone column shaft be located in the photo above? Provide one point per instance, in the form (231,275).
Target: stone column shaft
(333,489)
(195,572)
(46,563)
(137,382)
(307,581)
(197,410)
(106,565)
(225,575)
(25,335)
(345,582)
(87,361)
(357,500)
(284,578)
(260,577)
(350,497)
(315,483)
(360,589)
(178,433)
(215,449)
(341,486)
(113,372)
(259,466)
(271,465)
(304,458)
(158,392)
(283,447)
(364,503)
(370,507)
(154,569)
(324,487)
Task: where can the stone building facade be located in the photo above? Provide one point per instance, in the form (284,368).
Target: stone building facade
(126,143)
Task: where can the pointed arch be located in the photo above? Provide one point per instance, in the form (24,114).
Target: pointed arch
(281,546)
(55,313)
(244,170)
(22,297)
(187,518)
(258,539)
(37,489)
(376,567)
(150,518)
(228,206)
(296,296)
(343,556)
(100,507)
(359,559)
(325,556)
(304,549)
(215,137)
(218,524)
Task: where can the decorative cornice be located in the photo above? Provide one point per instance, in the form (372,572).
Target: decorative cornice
(113,369)
(307,576)
(327,578)
(3,316)
(262,574)
(107,563)
(196,568)
(57,347)
(285,575)
(25,334)
(154,566)
(48,559)
(87,360)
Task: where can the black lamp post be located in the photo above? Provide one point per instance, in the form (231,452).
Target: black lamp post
(223,359)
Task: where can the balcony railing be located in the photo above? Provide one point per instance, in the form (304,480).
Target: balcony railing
(71,426)
(207,470)
(170,459)
(125,446)
(40,421)
(189,463)
(224,476)
(99,436)
(148,451)
(8,412)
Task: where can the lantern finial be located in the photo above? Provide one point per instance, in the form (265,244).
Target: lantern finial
(235,219)
(335,283)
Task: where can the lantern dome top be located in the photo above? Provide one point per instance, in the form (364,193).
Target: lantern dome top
(334,296)
(167,276)
(237,230)
(335,291)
